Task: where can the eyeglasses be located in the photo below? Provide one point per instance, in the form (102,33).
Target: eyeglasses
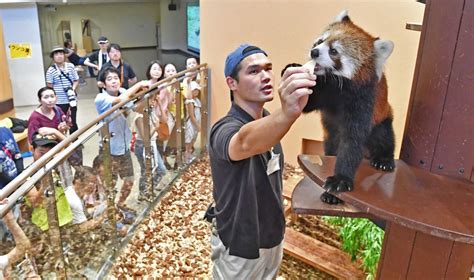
(102,43)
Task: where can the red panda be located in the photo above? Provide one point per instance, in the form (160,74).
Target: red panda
(351,94)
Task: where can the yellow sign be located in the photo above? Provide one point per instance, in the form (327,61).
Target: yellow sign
(22,50)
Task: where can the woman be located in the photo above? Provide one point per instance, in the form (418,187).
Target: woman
(170,93)
(48,118)
(157,163)
(154,74)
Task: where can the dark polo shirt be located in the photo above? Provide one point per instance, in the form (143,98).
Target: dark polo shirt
(248,202)
(127,72)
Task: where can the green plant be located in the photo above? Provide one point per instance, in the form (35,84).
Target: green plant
(361,239)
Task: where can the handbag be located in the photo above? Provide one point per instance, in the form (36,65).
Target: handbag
(163,131)
(64,117)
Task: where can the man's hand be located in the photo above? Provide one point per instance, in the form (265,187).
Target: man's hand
(144,84)
(294,89)
(136,88)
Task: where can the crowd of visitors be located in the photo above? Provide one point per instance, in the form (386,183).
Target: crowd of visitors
(80,190)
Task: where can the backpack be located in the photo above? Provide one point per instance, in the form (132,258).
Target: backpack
(11,161)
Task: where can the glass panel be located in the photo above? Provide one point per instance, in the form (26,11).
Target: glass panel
(99,185)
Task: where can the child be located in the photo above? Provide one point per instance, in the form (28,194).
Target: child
(170,93)
(193,120)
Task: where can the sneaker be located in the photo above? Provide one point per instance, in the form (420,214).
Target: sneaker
(128,215)
(122,229)
(3,264)
(27,269)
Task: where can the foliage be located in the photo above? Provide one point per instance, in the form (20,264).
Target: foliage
(361,239)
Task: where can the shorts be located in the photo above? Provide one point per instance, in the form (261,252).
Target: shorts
(190,132)
(122,166)
(226,266)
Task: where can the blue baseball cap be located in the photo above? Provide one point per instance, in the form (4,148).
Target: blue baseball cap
(235,57)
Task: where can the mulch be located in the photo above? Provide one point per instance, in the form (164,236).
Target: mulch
(174,240)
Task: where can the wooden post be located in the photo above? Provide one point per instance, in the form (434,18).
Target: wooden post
(53,225)
(440,122)
(204,73)
(179,127)
(109,184)
(147,144)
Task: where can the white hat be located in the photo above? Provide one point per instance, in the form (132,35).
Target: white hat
(56,49)
(194,85)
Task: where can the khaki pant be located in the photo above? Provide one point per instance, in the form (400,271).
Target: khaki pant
(232,267)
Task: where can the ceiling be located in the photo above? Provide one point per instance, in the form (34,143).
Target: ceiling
(73,2)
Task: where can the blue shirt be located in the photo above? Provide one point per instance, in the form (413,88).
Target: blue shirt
(8,149)
(118,127)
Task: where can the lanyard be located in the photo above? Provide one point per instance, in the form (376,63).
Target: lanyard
(121,73)
(63,74)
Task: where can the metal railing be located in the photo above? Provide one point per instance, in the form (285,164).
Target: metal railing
(85,138)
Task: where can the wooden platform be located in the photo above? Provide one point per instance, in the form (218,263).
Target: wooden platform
(429,219)
(320,255)
(312,205)
(430,203)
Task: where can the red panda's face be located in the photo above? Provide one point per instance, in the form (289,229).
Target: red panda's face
(346,50)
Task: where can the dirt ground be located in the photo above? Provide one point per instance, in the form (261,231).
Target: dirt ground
(174,240)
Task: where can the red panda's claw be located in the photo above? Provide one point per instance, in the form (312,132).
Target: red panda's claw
(383,164)
(329,198)
(338,183)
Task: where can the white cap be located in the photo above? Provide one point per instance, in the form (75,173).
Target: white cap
(194,85)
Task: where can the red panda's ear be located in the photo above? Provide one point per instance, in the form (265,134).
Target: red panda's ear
(342,16)
(383,49)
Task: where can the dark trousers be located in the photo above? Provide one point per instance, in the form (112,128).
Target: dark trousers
(65,108)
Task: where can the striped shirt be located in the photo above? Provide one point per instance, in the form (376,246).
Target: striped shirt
(60,82)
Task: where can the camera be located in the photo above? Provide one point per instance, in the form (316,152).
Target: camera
(71,96)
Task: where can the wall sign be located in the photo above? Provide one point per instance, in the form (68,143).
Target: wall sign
(20,50)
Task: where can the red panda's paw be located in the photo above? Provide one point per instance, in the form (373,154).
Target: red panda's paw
(338,183)
(384,164)
(330,199)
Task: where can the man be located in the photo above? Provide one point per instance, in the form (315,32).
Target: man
(62,76)
(98,58)
(126,74)
(246,163)
(119,143)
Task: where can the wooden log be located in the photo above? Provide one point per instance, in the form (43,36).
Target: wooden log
(321,256)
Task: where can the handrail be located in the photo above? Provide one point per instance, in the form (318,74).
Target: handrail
(56,150)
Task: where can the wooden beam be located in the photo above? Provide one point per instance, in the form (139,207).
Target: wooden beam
(320,255)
